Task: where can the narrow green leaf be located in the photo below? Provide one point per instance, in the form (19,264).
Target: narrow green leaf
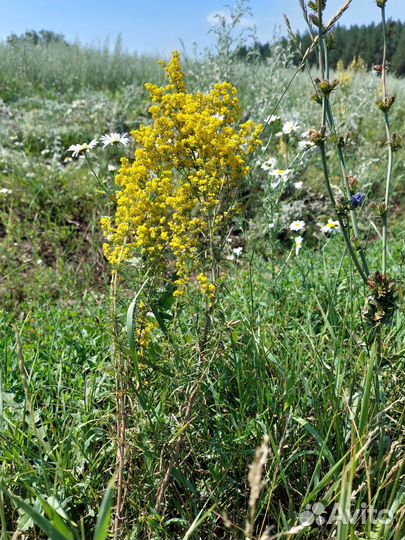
(104,516)
(43,523)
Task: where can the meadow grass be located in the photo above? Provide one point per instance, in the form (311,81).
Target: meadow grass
(289,357)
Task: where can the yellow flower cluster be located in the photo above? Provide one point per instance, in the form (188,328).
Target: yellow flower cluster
(146,325)
(179,193)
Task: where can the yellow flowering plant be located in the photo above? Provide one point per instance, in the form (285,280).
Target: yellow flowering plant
(175,205)
(177,199)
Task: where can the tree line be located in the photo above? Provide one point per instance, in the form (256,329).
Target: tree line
(365,41)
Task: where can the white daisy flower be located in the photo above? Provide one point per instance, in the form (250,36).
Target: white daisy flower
(78,149)
(114,138)
(297,226)
(281,174)
(271,119)
(298,244)
(269,164)
(331,228)
(236,253)
(290,127)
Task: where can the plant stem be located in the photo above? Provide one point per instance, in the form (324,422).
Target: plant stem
(390,156)
(120,399)
(188,413)
(341,222)
(323,58)
(343,168)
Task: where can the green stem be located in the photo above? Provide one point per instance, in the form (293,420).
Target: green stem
(325,110)
(390,153)
(343,168)
(341,222)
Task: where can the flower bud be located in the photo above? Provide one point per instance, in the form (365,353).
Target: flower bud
(341,206)
(317,137)
(317,97)
(395,142)
(325,86)
(357,243)
(353,183)
(315,4)
(382,209)
(385,104)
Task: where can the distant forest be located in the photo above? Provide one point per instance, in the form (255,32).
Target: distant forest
(365,41)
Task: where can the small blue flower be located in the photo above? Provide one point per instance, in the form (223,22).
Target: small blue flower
(358,199)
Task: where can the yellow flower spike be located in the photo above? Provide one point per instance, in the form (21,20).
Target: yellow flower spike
(189,164)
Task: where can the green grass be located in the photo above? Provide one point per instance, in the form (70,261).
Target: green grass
(290,354)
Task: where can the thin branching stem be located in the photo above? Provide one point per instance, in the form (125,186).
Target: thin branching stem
(343,168)
(323,61)
(340,219)
(390,153)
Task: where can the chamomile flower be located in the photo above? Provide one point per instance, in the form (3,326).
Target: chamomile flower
(269,164)
(272,119)
(83,148)
(114,138)
(236,253)
(331,228)
(298,244)
(281,174)
(297,226)
(290,127)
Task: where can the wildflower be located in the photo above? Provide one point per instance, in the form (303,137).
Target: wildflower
(298,185)
(115,139)
(83,148)
(305,143)
(282,174)
(236,253)
(271,226)
(188,167)
(290,127)
(5,191)
(298,244)
(111,168)
(67,159)
(297,226)
(357,199)
(272,119)
(331,228)
(269,164)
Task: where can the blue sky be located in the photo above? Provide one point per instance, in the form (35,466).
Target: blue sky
(156,26)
